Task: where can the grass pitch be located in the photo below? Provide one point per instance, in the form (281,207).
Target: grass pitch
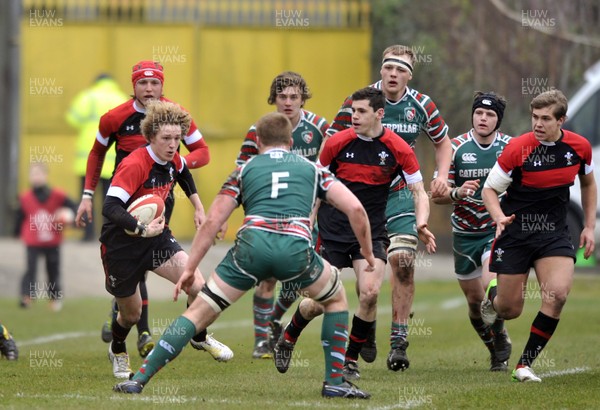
(63,363)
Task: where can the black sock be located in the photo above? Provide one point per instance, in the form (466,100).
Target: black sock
(373,330)
(200,336)
(296,326)
(542,329)
(358,336)
(484,332)
(142,324)
(115,311)
(119,335)
(498,326)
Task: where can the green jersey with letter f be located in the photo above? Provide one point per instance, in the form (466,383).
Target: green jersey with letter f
(279,191)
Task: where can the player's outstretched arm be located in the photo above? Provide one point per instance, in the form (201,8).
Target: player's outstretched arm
(340,197)
(199,215)
(93,170)
(443,158)
(199,154)
(492,204)
(421,201)
(85,208)
(589,200)
(219,212)
(465,190)
(497,182)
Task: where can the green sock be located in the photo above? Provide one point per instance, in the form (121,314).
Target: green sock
(166,350)
(398,334)
(334,337)
(262,308)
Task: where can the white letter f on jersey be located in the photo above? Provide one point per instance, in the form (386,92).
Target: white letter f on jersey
(276,185)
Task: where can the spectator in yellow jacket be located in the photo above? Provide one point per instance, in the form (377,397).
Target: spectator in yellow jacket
(84,114)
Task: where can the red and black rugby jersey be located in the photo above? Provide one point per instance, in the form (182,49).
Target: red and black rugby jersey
(142,173)
(121,126)
(542,173)
(366,166)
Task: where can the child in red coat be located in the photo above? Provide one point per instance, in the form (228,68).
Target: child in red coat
(42,216)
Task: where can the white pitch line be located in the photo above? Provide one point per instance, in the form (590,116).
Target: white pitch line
(558,373)
(55,337)
(419,307)
(398,406)
(452,303)
(181,399)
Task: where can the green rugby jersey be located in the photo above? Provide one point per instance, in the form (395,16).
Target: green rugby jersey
(472,161)
(278,191)
(307,135)
(412,114)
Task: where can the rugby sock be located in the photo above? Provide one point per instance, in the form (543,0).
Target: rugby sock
(166,350)
(334,336)
(142,324)
(262,308)
(284,301)
(115,310)
(498,326)
(200,337)
(399,333)
(542,329)
(295,327)
(119,334)
(484,332)
(358,336)
(373,330)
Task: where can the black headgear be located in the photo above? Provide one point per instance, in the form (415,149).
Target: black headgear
(490,101)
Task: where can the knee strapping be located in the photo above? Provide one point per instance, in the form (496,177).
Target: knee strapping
(331,288)
(403,243)
(214,296)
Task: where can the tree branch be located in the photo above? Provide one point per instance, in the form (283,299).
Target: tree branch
(547,30)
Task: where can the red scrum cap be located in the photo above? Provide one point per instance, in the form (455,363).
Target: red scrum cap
(147,69)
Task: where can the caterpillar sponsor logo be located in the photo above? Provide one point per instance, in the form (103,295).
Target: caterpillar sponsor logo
(403,128)
(474,173)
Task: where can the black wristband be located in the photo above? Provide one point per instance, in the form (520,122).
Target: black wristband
(140,229)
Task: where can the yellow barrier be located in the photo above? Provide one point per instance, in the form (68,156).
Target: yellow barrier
(220,74)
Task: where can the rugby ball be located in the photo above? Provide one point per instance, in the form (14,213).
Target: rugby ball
(64,216)
(146,209)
